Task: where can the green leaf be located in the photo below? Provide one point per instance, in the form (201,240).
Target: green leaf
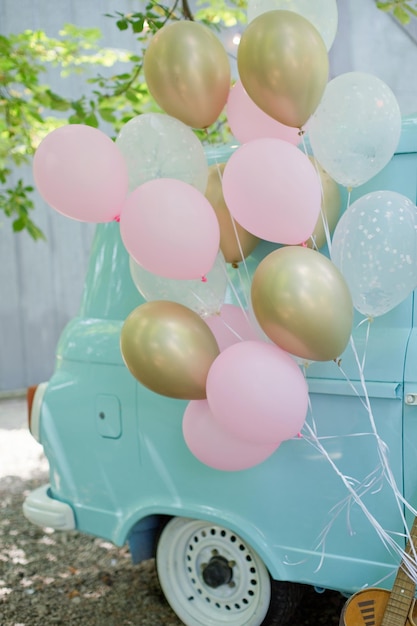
(122,24)
(34,231)
(132,96)
(4,173)
(76,119)
(138,25)
(19,224)
(91,120)
(57,103)
(385,6)
(401,15)
(411,10)
(107,115)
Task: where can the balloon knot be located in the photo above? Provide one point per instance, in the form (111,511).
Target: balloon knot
(300,436)
(301,132)
(304,244)
(235,265)
(204,279)
(116,219)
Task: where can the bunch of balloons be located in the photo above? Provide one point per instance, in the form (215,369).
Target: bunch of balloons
(185,224)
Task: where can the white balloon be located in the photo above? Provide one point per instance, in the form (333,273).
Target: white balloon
(356,128)
(203,297)
(322,14)
(375,247)
(156,145)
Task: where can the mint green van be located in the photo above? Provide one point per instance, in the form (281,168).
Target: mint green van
(231,548)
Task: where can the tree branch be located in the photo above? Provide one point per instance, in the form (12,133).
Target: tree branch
(187,11)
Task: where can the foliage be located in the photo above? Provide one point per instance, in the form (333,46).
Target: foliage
(402,10)
(131,89)
(29,109)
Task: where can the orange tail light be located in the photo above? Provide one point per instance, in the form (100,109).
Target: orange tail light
(30,394)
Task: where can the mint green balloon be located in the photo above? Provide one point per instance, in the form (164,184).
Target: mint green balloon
(375,248)
(156,145)
(356,128)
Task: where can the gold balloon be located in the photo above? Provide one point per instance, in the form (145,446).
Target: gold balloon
(187,71)
(169,349)
(283,65)
(235,241)
(330,207)
(302,303)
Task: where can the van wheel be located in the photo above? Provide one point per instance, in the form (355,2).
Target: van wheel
(209,575)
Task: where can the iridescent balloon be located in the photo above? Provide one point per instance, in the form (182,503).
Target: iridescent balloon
(205,297)
(356,128)
(302,303)
(156,145)
(375,247)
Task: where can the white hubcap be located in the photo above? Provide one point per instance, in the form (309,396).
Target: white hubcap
(210,576)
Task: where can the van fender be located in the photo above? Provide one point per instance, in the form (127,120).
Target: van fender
(247,531)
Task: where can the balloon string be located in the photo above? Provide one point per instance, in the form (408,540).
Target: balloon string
(303,141)
(324,220)
(246,309)
(232,330)
(356,493)
(244,305)
(372,483)
(368,331)
(242,256)
(349,197)
(201,302)
(383,450)
(234,290)
(383,469)
(323,215)
(245,290)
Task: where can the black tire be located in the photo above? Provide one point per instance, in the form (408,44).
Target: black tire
(285,598)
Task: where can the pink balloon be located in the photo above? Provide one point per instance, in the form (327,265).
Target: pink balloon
(257,392)
(231,325)
(272,189)
(247,121)
(170,229)
(214,446)
(80,172)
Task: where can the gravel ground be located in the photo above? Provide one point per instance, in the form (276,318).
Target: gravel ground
(50,578)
